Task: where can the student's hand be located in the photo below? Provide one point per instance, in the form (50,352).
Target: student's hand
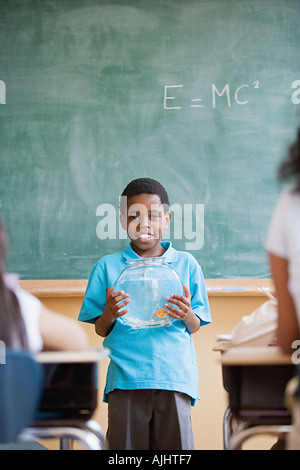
(112,302)
(183,302)
(183,311)
(104,322)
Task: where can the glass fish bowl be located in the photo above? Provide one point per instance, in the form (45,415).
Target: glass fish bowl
(148,281)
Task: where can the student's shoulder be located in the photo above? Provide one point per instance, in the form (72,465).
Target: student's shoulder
(290,193)
(184,254)
(188,258)
(105,261)
(288,204)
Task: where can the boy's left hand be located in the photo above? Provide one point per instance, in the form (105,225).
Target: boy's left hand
(183,302)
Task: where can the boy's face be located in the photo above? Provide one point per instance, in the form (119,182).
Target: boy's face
(145,222)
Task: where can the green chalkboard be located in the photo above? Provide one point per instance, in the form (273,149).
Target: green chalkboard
(201,95)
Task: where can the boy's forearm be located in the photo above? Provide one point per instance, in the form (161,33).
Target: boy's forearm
(104,323)
(192,322)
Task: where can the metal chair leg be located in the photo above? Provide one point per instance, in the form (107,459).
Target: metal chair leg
(86,437)
(240,437)
(227,427)
(66,443)
(95,427)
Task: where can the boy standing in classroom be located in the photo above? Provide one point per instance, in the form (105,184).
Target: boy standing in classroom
(152,378)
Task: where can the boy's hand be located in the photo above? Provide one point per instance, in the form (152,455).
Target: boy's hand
(112,302)
(183,311)
(104,322)
(183,303)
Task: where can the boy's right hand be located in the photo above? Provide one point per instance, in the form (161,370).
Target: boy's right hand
(112,302)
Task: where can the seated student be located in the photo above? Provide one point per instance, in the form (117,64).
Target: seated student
(152,376)
(26,323)
(283,246)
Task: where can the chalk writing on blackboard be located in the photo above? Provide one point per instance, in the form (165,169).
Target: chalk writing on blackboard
(2,92)
(296,94)
(238,95)
(216,93)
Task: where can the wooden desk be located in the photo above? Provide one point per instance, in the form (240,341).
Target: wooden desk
(68,357)
(255,379)
(69,399)
(255,356)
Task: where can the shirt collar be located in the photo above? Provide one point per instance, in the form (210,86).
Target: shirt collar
(170,255)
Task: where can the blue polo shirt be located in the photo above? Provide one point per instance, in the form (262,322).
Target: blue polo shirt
(153,358)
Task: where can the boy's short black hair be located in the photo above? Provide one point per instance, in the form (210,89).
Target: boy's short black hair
(145,186)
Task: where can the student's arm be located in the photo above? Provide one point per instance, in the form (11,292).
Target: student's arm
(184,311)
(104,323)
(288,329)
(60,332)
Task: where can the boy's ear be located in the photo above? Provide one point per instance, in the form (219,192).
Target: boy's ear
(123,220)
(167,220)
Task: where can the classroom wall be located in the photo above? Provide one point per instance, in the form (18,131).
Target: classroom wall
(207,416)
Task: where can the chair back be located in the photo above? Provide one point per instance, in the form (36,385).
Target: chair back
(21,382)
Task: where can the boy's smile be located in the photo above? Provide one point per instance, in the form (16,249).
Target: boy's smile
(146,220)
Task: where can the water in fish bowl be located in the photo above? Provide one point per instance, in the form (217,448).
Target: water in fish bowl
(148,287)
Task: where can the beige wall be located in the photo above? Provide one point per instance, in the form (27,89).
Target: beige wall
(207,415)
